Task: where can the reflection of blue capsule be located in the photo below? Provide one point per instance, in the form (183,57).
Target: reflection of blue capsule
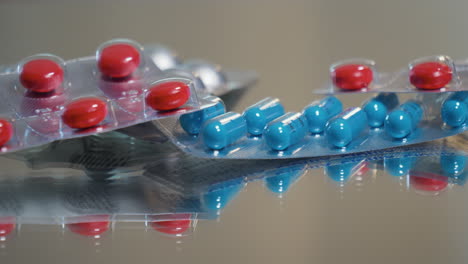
(376,109)
(398,166)
(346,127)
(285,131)
(261,113)
(283,178)
(403,120)
(341,172)
(453,166)
(319,112)
(224,130)
(193,122)
(219,198)
(454,110)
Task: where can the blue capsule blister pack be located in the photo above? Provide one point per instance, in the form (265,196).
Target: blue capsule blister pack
(325,127)
(429,74)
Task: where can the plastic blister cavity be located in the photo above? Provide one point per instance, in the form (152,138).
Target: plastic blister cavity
(48,98)
(428,74)
(383,123)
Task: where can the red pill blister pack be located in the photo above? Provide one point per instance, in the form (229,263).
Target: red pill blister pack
(47,98)
(429,74)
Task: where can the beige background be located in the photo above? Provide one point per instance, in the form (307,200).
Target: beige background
(290,44)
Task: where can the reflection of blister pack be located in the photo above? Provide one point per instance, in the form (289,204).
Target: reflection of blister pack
(48,98)
(266,131)
(219,181)
(428,74)
(156,189)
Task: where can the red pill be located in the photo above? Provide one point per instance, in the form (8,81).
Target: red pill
(168,96)
(172,227)
(430,75)
(91,228)
(118,60)
(41,75)
(425,181)
(85,113)
(352,76)
(6,131)
(7,225)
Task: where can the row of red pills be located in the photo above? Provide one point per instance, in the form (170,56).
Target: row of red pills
(117,60)
(429,75)
(95,227)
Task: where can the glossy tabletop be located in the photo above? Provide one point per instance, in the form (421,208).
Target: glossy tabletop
(152,209)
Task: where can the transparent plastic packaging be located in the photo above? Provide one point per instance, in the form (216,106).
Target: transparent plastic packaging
(48,99)
(213,78)
(437,73)
(388,122)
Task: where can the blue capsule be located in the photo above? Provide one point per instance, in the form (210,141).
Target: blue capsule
(453,166)
(399,166)
(454,110)
(224,130)
(285,131)
(377,108)
(346,127)
(405,119)
(193,122)
(261,113)
(319,112)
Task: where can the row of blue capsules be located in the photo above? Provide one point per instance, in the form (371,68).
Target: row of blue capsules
(265,131)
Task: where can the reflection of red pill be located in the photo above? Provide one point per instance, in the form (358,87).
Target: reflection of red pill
(91,228)
(118,60)
(430,75)
(6,131)
(352,76)
(126,90)
(41,75)
(37,103)
(7,225)
(43,106)
(118,88)
(425,181)
(168,96)
(85,113)
(172,227)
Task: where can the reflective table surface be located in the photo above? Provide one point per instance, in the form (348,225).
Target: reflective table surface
(115,198)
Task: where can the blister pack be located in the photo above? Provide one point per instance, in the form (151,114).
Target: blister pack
(325,127)
(47,98)
(213,78)
(428,74)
